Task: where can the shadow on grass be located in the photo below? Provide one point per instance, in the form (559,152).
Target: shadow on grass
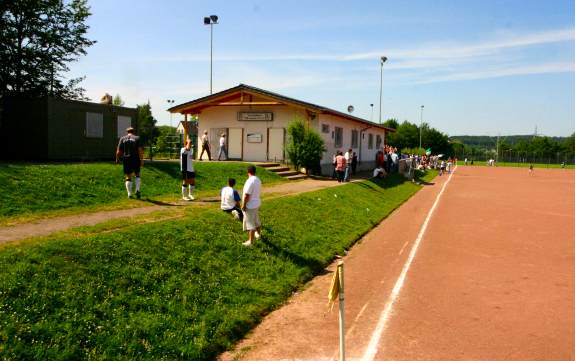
(160,203)
(170,168)
(313,265)
(391,181)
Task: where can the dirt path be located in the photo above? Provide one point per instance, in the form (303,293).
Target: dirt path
(51,225)
(492,279)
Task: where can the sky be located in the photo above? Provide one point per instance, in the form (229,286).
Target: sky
(478,67)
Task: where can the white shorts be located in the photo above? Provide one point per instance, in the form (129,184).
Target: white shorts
(251,219)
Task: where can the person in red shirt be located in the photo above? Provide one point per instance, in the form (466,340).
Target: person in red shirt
(340,166)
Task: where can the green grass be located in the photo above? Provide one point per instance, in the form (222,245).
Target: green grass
(521,165)
(180,289)
(27,189)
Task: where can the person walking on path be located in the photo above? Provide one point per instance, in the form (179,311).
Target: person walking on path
(205,146)
(223,147)
(251,205)
(347,157)
(340,166)
(230,202)
(132,154)
(188,174)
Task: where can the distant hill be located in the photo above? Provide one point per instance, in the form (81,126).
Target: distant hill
(486,141)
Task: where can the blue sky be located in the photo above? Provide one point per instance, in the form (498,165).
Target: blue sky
(478,67)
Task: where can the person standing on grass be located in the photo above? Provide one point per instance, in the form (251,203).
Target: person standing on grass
(188,174)
(251,205)
(132,154)
(205,145)
(223,147)
(340,166)
(230,202)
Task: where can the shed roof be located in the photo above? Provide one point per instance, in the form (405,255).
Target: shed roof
(196,105)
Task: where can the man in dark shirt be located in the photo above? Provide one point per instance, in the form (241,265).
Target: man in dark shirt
(131,152)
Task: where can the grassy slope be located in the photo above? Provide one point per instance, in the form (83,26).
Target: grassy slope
(182,289)
(26,188)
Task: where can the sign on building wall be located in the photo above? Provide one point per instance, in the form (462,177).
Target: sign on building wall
(256,116)
(254,137)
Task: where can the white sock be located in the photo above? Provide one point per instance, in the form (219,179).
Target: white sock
(184,191)
(129,188)
(191,190)
(138,182)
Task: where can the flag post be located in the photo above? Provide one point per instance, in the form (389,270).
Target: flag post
(341,312)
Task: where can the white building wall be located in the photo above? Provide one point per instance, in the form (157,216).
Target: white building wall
(227,117)
(366,156)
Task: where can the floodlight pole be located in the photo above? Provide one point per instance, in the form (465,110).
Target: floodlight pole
(211,20)
(420,126)
(383,59)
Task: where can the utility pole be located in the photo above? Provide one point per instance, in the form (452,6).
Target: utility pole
(383,60)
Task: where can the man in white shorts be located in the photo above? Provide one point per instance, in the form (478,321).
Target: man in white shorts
(251,205)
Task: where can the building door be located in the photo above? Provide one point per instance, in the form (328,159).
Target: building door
(215,134)
(236,143)
(276,138)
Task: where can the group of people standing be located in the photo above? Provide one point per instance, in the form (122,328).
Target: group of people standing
(205,140)
(245,208)
(344,165)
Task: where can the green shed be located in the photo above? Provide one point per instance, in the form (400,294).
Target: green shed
(58,129)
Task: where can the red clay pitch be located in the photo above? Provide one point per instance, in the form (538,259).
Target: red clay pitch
(492,279)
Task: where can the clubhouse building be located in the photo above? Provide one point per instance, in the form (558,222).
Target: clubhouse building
(255,122)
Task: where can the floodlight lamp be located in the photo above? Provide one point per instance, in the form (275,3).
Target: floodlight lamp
(383,59)
(214,19)
(207,21)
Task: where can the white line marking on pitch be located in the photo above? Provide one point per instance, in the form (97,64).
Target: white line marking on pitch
(371,350)
(403,248)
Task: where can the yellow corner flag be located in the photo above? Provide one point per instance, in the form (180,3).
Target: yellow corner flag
(333,289)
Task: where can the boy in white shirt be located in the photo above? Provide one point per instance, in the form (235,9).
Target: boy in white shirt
(230,202)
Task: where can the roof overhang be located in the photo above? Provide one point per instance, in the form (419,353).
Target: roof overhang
(242,95)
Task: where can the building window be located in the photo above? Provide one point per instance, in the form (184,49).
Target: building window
(325,128)
(94,125)
(338,137)
(124,123)
(370,141)
(378,141)
(354,138)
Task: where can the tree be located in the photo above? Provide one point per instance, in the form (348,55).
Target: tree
(147,129)
(391,123)
(118,100)
(38,39)
(305,146)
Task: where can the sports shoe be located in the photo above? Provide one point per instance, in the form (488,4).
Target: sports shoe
(130,196)
(257,235)
(138,195)
(186,198)
(191,197)
(247,243)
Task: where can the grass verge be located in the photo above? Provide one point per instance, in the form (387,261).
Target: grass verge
(178,289)
(28,190)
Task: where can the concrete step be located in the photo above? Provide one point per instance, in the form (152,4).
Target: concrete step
(297,177)
(269,165)
(278,169)
(287,173)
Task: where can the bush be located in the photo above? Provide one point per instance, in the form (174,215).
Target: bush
(305,146)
